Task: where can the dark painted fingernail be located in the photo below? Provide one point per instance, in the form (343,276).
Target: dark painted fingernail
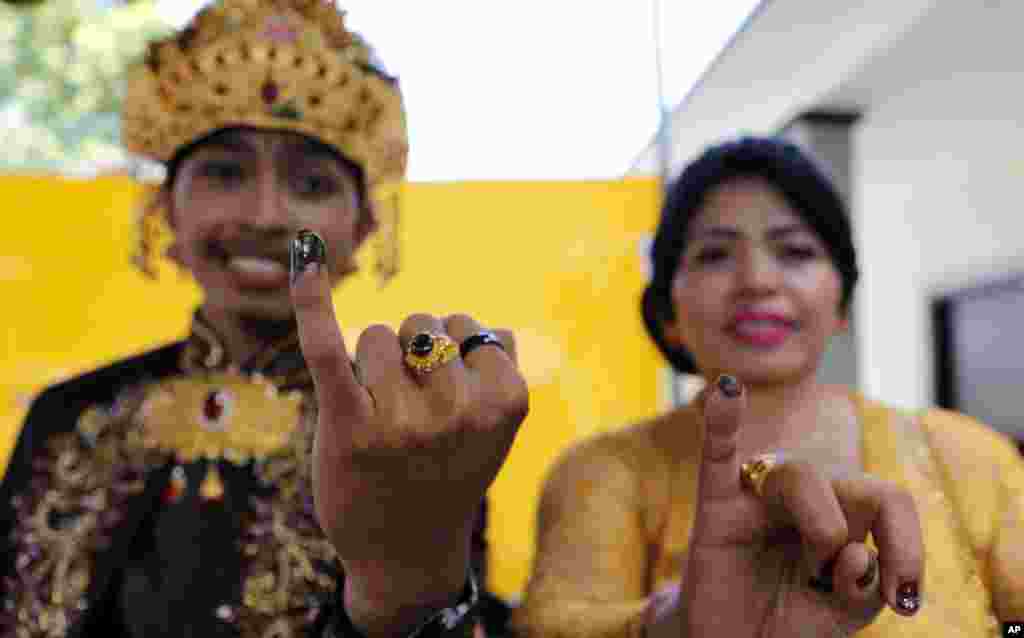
(817,584)
(869,576)
(823,582)
(308,253)
(729,386)
(908,599)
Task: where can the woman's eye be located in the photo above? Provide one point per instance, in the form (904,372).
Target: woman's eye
(798,253)
(710,256)
(316,185)
(223,171)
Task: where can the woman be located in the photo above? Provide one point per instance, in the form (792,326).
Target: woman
(656,530)
(171,494)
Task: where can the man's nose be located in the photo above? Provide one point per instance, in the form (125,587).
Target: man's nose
(267,206)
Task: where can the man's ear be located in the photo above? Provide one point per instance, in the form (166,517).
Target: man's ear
(164,200)
(163,203)
(365,225)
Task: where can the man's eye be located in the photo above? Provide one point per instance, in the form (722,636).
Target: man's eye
(316,185)
(798,253)
(221,170)
(710,256)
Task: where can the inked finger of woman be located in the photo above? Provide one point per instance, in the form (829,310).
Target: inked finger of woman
(801,496)
(900,541)
(857,582)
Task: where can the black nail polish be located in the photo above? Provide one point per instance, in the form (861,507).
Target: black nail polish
(729,386)
(908,599)
(307,249)
(869,576)
(819,585)
(823,582)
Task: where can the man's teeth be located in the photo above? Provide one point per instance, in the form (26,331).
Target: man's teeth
(256,265)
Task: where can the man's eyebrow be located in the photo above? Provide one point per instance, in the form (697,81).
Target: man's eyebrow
(314,148)
(229,140)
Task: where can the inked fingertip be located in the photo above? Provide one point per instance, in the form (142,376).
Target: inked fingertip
(729,386)
(908,599)
(822,586)
(308,253)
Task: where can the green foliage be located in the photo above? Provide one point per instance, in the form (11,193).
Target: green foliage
(61,79)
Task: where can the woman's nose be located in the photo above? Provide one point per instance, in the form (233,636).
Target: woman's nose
(758,271)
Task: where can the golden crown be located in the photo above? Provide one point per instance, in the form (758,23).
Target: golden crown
(278,64)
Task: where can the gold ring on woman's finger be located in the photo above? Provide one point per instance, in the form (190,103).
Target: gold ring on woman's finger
(754,472)
(428,351)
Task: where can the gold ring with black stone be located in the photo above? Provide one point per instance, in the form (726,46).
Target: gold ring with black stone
(429,351)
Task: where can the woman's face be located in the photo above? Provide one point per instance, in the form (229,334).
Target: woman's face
(756,293)
(238,200)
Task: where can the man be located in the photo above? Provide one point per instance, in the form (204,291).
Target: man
(180,492)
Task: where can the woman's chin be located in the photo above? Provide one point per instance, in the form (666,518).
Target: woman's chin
(768,371)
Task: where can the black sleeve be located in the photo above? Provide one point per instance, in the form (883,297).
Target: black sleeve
(457,621)
(489,611)
(46,415)
(56,410)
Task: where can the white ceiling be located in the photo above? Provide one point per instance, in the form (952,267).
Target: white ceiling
(792,56)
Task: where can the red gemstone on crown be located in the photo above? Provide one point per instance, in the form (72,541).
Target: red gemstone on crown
(213,407)
(270,92)
(279,29)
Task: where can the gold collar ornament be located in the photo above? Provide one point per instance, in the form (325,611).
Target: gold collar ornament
(214,416)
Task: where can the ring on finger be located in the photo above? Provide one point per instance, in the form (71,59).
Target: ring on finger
(428,351)
(478,340)
(754,472)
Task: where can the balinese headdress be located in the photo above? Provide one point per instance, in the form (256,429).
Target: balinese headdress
(277,64)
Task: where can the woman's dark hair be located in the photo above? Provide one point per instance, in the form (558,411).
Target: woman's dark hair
(783,165)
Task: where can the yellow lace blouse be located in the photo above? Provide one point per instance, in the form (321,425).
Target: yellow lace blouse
(616,513)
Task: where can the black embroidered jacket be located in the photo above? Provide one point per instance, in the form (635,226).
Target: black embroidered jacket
(104,534)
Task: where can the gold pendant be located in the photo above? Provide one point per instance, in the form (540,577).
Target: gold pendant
(212,488)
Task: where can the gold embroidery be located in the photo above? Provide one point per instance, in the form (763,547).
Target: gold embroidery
(86,478)
(80,485)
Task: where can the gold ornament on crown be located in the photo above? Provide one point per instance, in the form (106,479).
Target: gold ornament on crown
(273,64)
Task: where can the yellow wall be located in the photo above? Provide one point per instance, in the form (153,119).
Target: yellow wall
(557,262)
